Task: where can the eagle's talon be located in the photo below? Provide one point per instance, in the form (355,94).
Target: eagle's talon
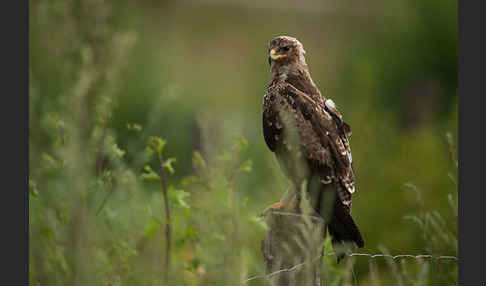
(273,207)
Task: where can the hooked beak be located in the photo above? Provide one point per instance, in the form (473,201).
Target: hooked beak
(270,56)
(274,56)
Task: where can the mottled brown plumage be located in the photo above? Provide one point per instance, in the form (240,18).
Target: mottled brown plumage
(309,138)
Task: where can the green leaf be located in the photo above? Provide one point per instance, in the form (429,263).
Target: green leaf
(49,162)
(246,166)
(33,188)
(198,161)
(157,143)
(150,152)
(177,197)
(149,174)
(150,177)
(147,168)
(327,244)
(107,175)
(151,228)
(134,127)
(168,165)
(259,222)
(240,144)
(224,157)
(415,219)
(115,152)
(191,233)
(452,203)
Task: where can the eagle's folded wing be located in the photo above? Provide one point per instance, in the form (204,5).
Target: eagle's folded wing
(333,134)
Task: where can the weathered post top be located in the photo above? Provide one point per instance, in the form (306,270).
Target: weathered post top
(292,249)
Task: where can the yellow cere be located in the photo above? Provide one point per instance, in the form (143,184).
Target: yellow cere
(274,56)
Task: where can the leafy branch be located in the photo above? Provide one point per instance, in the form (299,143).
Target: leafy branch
(156,146)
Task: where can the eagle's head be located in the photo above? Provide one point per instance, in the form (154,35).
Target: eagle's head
(285,50)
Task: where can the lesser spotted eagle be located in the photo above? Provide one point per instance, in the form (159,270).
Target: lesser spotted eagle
(307,133)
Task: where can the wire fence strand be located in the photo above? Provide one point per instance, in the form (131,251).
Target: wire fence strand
(394,257)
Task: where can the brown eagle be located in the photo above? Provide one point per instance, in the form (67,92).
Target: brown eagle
(310,140)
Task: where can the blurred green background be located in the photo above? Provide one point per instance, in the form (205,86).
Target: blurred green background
(194,72)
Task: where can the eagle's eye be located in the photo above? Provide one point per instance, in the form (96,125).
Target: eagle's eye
(286,48)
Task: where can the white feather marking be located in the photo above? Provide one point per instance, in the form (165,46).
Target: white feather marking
(326,181)
(351,190)
(347,203)
(330,104)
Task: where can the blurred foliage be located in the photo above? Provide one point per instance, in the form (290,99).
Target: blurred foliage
(106,76)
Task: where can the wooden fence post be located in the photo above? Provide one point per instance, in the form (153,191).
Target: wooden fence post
(292,249)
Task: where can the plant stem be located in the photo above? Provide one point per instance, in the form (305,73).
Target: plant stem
(101,151)
(99,164)
(235,214)
(163,180)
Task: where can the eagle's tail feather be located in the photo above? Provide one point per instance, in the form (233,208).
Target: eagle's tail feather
(343,230)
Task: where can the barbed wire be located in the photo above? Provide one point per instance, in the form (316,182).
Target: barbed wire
(419,256)
(280,271)
(295,267)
